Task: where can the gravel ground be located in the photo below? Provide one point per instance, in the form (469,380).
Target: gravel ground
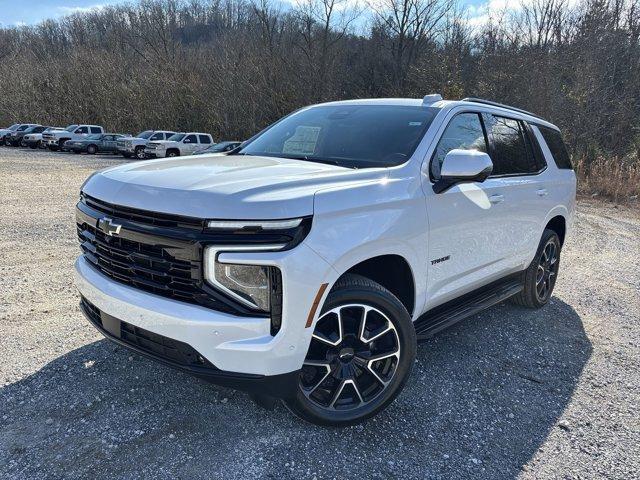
(508,393)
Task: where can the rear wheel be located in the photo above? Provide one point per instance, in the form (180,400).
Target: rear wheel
(540,277)
(92,149)
(360,356)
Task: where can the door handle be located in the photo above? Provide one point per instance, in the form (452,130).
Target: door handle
(542,192)
(496,198)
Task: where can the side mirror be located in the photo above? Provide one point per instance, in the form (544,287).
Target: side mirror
(461,166)
(187,141)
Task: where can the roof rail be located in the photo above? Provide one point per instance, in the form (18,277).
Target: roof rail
(501,105)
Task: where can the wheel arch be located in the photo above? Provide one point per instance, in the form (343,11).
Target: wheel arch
(393,272)
(559,225)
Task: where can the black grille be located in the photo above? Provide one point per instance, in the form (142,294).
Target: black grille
(155,345)
(149,267)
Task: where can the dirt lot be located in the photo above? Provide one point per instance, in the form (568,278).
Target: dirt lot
(509,393)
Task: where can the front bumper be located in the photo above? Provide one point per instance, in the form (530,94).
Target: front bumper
(239,344)
(182,357)
(155,153)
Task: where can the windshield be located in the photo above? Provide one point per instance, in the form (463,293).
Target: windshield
(355,136)
(146,134)
(96,136)
(177,137)
(23,128)
(71,128)
(14,127)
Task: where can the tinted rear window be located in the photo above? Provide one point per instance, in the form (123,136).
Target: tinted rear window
(512,155)
(553,139)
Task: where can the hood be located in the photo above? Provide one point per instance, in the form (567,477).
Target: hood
(222,187)
(163,142)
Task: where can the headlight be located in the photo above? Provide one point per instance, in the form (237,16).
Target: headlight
(251,285)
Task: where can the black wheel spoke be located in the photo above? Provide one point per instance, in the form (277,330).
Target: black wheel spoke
(352,357)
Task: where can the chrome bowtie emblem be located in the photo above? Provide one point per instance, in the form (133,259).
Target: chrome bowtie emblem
(107,226)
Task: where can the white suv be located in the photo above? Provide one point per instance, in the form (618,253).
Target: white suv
(306,265)
(179,144)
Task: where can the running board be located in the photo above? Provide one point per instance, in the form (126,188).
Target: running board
(445,315)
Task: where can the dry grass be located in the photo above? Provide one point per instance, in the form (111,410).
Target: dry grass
(615,178)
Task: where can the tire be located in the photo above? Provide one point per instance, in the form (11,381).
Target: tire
(92,149)
(544,268)
(139,153)
(61,143)
(339,384)
(23,144)
(39,144)
(33,146)
(54,148)
(173,153)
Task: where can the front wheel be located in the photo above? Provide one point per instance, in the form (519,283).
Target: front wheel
(540,277)
(139,153)
(92,149)
(360,356)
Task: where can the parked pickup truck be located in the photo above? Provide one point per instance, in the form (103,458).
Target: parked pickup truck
(134,146)
(34,140)
(179,144)
(307,264)
(55,140)
(96,143)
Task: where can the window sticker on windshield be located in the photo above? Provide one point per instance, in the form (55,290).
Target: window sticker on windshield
(415,124)
(303,142)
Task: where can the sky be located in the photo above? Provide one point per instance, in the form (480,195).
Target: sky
(29,12)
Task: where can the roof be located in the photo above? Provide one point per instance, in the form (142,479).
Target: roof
(428,102)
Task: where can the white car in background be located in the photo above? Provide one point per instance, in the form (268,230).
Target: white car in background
(34,140)
(179,144)
(307,264)
(135,146)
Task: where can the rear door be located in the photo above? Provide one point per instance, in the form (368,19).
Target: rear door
(189,144)
(520,170)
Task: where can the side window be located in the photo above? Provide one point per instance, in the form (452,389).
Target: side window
(553,139)
(83,130)
(38,129)
(190,139)
(463,132)
(157,136)
(204,139)
(96,130)
(512,154)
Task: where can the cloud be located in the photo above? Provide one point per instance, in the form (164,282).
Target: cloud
(63,10)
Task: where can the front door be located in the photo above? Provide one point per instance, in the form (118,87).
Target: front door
(468,223)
